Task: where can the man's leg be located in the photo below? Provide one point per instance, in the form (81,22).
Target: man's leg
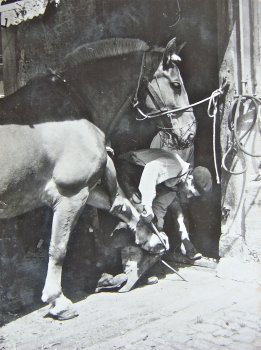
(160,205)
(187,247)
(147,188)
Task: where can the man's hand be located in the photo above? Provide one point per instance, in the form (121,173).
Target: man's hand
(147,214)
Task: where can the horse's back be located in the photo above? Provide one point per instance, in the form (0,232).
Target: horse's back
(40,100)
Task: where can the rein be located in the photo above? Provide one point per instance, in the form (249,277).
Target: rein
(159,102)
(163,110)
(187,108)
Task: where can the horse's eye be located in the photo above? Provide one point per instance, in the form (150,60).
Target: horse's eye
(176,85)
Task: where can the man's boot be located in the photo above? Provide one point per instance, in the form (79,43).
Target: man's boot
(188,249)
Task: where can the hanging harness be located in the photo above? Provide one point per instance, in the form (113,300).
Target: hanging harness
(236,143)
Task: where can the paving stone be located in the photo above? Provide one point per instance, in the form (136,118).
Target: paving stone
(245,337)
(250,325)
(206,327)
(221,323)
(156,343)
(207,337)
(199,344)
(179,346)
(222,341)
(178,337)
(257,343)
(251,318)
(225,333)
(240,346)
(233,326)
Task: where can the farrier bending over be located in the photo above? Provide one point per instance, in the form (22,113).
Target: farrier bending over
(162,180)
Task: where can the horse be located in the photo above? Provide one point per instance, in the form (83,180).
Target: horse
(143,79)
(164,99)
(53,155)
(58,161)
(160,109)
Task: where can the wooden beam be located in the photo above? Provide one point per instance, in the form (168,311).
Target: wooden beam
(9,59)
(255,15)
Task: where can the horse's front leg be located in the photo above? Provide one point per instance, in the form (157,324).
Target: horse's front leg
(66,211)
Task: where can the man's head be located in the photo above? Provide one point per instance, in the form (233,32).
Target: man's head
(199,182)
(202,179)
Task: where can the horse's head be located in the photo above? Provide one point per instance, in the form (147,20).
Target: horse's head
(165,99)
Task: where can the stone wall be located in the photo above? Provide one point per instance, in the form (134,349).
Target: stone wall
(239,59)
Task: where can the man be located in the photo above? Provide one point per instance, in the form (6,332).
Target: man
(165,181)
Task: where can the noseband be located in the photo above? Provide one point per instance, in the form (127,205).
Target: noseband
(170,139)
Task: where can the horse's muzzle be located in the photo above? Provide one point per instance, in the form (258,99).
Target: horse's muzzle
(182,142)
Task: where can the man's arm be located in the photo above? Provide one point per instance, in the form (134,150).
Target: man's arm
(148,183)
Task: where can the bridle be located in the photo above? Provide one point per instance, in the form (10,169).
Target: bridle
(162,109)
(156,98)
(168,138)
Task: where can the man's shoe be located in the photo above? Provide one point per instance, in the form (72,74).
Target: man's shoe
(188,249)
(108,282)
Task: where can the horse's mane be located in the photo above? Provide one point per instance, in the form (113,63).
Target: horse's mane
(104,49)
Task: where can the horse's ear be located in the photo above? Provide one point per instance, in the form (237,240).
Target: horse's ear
(181,46)
(171,53)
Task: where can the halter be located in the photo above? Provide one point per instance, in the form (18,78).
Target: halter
(168,139)
(162,111)
(188,108)
(157,100)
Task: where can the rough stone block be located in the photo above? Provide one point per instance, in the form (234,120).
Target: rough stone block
(237,270)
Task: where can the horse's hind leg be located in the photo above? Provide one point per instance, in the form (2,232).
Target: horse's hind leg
(66,211)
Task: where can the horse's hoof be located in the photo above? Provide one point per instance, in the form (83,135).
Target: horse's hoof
(62,309)
(63,315)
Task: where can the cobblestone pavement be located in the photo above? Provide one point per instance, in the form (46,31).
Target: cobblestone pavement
(205,313)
